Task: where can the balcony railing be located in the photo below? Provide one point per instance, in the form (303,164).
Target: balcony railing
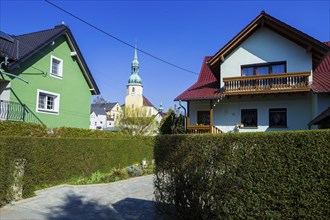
(271,83)
(12,111)
(202,129)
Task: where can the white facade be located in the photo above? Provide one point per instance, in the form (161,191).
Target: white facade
(227,112)
(262,47)
(97,121)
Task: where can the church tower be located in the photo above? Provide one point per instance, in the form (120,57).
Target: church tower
(134,89)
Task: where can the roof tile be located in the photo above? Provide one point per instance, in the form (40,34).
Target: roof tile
(321,76)
(206,87)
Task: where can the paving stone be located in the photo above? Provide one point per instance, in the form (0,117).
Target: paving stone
(127,199)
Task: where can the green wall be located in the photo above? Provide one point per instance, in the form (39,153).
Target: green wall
(75,95)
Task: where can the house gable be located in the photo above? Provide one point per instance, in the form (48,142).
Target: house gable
(317,49)
(30,57)
(23,47)
(266,46)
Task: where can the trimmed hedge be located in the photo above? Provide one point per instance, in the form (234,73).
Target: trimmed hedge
(271,175)
(85,133)
(51,161)
(9,128)
(23,129)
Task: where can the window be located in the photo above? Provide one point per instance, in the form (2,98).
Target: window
(56,67)
(264,68)
(133,90)
(277,118)
(47,102)
(249,117)
(203,117)
(247,71)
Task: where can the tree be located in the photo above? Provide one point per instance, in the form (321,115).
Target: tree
(99,100)
(172,123)
(135,121)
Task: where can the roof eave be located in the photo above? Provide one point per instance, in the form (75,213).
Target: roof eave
(317,48)
(88,75)
(17,62)
(67,32)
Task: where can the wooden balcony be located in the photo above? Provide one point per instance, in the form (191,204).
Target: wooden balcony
(202,129)
(271,83)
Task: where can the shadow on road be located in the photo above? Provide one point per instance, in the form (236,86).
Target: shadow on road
(76,207)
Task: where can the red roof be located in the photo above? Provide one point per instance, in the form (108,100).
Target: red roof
(206,87)
(321,76)
(146,102)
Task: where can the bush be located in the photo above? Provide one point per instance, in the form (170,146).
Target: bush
(66,132)
(274,175)
(51,161)
(8,128)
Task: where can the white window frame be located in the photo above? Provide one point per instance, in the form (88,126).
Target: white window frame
(60,70)
(56,97)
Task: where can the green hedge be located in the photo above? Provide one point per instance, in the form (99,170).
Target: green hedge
(23,129)
(8,128)
(52,161)
(274,175)
(85,133)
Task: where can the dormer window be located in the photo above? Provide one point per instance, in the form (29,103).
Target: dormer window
(263,68)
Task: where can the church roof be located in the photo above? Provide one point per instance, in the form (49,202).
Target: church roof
(146,102)
(134,78)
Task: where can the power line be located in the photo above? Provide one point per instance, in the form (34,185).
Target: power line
(118,39)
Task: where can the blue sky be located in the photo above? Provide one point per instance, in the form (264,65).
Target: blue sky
(180,32)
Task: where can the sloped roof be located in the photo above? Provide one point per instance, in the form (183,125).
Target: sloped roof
(22,47)
(206,87)
(318,119)
(8,46)
(146,102)
(106,106)
(99,111)
(315,47)
(321,75)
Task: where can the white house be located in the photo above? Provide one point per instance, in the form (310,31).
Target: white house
(269,77)
(104,115)
(98,119)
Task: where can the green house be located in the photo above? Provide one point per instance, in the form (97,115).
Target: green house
(45,79)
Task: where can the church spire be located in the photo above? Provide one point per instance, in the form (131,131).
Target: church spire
(135,63)
(135,78)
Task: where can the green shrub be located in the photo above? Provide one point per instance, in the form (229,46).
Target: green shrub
(66,132)
(8,128)
(270,175)
(51,161)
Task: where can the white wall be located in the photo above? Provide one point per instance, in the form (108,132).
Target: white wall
(266,46)
(227,112)
(97,121)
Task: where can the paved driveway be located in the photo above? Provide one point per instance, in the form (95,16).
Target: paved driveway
(127,199)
